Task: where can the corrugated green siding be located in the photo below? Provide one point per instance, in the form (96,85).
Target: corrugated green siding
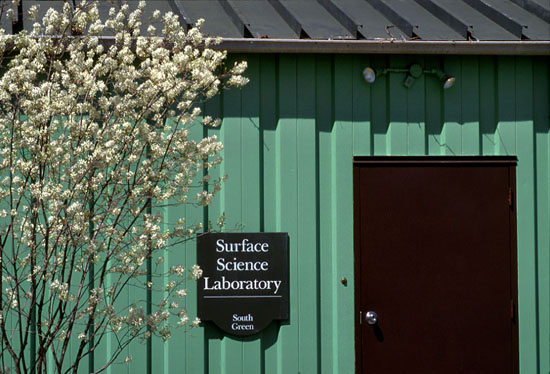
(290,137)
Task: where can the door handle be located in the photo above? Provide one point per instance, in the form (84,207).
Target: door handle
(371,317)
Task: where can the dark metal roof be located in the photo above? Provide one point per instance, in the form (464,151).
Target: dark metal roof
(271,22)
(509,13)
(451,20)
(461,17)
(523,24)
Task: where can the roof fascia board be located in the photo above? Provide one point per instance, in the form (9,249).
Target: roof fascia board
(530,48)
(302,46)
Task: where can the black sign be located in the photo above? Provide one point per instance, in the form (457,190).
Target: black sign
(244,285)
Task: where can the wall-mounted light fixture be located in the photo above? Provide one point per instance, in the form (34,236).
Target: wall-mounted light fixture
(413,72)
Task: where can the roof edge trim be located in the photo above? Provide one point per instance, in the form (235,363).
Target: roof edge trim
(532,48)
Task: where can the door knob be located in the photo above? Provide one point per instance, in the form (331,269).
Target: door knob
(371,317)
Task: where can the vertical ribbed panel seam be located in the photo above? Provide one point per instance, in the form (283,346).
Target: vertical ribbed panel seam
(461,75)
(408,123)
(297,198)
(535,223)
(515,104)
(548,211)
(497,140)
(442,136)
(388,111)
(548,184)
(334,207)
(479,132)
(278,177)
(317,228)
(241,159)
(222,209)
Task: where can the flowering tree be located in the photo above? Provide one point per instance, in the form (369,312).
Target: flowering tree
(93,136)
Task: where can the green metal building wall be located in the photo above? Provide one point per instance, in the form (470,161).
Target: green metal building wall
(290,137)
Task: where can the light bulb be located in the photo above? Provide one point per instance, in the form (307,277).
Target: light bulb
(449,82)
(369,75)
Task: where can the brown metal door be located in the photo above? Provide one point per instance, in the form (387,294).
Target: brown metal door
(436,261)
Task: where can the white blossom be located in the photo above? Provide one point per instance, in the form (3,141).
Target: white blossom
(181,293)
(196,272)
(94,141)
(195,322)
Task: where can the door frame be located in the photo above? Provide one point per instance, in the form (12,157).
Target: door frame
(511,161)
